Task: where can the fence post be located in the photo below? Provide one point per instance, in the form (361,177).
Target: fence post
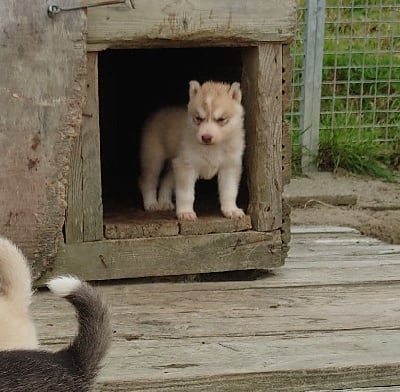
(311,86)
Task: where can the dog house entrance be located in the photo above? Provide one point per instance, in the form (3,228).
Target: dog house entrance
(132,84)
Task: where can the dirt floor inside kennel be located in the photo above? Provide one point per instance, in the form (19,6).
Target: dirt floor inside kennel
(369,205)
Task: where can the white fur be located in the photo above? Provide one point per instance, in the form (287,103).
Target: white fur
(198,146)
(63,285)
(17,330)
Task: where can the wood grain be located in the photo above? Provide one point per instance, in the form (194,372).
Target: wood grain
(176,255)
(287,66)
(41,95)
(262,80)
(92,202)
(74,213)
(182,23)
(296,330)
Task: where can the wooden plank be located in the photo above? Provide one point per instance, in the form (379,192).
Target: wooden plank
(304,229)
(159,228)
(287,68)
(134,223)
(334,360)
(297,330)
(113,259)
(339,274)
(285,230)
(41,98)
(224,311)
(203,22)
(287,65)
(128,223)
(74,214)
(295,381)
(220,337)
(286,153)
(374,389)
(92,202)
(262,83)
(261,364)
(327,262)
(208,225)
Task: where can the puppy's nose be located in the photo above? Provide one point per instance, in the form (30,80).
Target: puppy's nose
(206,139)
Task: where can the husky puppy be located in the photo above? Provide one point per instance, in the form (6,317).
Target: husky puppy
(200,141)
(73,368)
(17,330)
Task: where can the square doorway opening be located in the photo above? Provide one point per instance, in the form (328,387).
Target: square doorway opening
(132,85)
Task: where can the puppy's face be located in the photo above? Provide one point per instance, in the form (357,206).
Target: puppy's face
(215,110)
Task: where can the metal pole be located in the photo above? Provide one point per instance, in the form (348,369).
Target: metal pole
(312,78)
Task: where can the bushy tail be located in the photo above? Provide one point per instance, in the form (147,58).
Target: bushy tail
(94,335)
(15,274)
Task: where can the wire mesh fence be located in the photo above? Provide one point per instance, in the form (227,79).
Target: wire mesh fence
(360,94)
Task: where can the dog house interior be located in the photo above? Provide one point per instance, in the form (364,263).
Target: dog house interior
(133,72)
(129,96)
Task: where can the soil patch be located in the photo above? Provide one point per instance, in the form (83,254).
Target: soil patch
(368,205)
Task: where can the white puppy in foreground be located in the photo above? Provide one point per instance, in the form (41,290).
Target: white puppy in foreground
(17,330)
(73,368)
(202,141)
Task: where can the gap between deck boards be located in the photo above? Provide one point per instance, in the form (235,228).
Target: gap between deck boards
(328,320)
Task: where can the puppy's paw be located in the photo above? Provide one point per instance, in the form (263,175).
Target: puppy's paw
(166,206)
(233,213)
(152,207)
(186,216)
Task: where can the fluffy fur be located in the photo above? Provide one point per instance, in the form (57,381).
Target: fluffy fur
(73,368)
(17,330)
(202,141)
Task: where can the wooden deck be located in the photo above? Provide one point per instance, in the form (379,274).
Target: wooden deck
(329,319)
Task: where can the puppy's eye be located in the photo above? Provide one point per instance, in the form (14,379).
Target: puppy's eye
(221,120)
(198,120)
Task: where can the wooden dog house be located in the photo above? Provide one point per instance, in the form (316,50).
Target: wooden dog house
(70,138)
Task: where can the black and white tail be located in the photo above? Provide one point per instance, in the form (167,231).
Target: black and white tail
(94,334)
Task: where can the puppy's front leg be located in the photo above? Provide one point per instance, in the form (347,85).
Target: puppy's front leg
(228,186)
(185,179)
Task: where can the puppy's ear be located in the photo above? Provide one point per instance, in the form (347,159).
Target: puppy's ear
(235,92)
(194,87)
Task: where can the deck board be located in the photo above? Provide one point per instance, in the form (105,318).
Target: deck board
(328,319)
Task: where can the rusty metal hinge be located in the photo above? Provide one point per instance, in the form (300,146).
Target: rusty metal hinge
(54,9)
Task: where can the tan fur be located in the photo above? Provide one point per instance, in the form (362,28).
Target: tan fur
(202,141)
(17,330)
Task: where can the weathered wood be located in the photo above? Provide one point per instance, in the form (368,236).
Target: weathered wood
(305,229)
(41,99)
(295,381)
(207,225)
(176,255)
(374,389)
(203,22)
(92,202)
(128,224)
(286,153)
(287,69)
(74,213)
(287,65)
(243,311)
(134,223)
(273,334)
(285,230)
(262,80)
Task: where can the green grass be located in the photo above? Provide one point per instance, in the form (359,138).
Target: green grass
(360,104)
